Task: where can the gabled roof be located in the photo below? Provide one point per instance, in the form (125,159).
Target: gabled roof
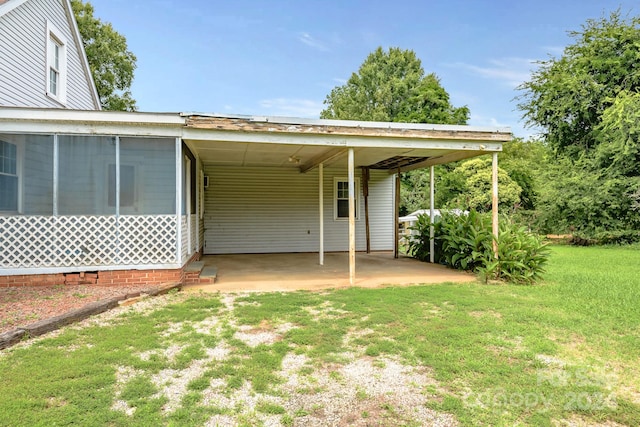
(7,6)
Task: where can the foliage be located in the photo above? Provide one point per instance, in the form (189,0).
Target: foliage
(111,63)
(588,104)
(465,242)
(567,96)
(476,195)
(577,199)
(391,86)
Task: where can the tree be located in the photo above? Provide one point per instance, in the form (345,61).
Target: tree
(391,86)
(472,187)
(111,63)
(567,96)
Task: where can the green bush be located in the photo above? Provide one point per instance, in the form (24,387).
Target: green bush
(613,237)
(465,242)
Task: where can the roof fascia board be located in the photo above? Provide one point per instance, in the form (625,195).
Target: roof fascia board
(82,116)
(9,6)
(345,141)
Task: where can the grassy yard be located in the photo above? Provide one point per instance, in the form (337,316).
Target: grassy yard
(564,352)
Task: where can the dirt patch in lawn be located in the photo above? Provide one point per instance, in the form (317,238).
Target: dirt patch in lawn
(22,305)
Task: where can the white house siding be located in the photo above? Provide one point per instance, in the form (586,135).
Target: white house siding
(23,57)
(263,210)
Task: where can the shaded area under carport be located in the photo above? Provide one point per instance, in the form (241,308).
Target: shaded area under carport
(301,271)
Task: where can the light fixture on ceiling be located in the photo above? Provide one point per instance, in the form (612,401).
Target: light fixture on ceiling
(294,159)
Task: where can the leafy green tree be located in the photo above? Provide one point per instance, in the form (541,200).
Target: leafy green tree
(567,96)
(391,86)
(472,180)
(112,64)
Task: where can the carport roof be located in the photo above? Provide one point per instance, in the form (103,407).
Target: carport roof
(305,143)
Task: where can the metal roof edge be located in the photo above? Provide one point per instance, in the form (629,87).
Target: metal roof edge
(104,116)
(352,123)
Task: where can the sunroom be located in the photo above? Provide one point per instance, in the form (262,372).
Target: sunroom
(88,202)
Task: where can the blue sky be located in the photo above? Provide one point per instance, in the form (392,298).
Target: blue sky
(282,57)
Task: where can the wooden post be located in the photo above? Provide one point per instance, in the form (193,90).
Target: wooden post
(396,216)
(352,221)
(432,215)
(321,209)
(494,203)
(365,192)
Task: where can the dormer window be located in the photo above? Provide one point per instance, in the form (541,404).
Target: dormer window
(56,76)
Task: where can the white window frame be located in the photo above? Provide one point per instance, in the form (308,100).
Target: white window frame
(18,174)
(356,183)
(54,37)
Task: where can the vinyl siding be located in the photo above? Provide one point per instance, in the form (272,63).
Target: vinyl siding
(263,210)
(23,57)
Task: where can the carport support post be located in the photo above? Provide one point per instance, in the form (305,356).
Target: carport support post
(352,221)
(396,215)
(321,211)
(494,204)
(432,215)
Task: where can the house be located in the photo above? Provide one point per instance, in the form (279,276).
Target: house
(42,60)
(120,197)
(89,196)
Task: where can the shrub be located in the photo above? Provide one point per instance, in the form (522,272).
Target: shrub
(465,242)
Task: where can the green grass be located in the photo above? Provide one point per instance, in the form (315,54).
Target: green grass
(501,354)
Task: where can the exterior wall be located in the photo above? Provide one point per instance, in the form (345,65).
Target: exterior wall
(152,277)
(23,58)
(263,210)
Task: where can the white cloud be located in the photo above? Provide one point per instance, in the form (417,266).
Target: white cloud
(292,107)
(339,80)
(307,39)
(479,120)
(511,71)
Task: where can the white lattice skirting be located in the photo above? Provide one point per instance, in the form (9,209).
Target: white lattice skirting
(75,241)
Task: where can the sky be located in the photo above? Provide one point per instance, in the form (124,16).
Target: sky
(283,57)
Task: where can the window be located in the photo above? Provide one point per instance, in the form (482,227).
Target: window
(56,77)
(127,186)
(341,197)
(8,177)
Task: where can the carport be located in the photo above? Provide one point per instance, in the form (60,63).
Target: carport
(236,149)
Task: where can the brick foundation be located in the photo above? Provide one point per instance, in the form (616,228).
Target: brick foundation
(101,278)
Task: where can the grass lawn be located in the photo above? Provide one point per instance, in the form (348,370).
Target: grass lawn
(564,352)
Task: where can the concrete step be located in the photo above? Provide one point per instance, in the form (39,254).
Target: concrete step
(194,267)
(209,274)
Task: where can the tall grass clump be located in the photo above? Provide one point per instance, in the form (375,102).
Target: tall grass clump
(465,242)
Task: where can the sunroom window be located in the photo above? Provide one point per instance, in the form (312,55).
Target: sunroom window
(8,177)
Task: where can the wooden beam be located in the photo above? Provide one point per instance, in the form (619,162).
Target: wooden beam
(453,156)
(365,193)
(321,210)
(494,203)
(432,215)
(352,220)
(326,157)
(396,216)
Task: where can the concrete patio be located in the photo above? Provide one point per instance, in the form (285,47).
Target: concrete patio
(301,271)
